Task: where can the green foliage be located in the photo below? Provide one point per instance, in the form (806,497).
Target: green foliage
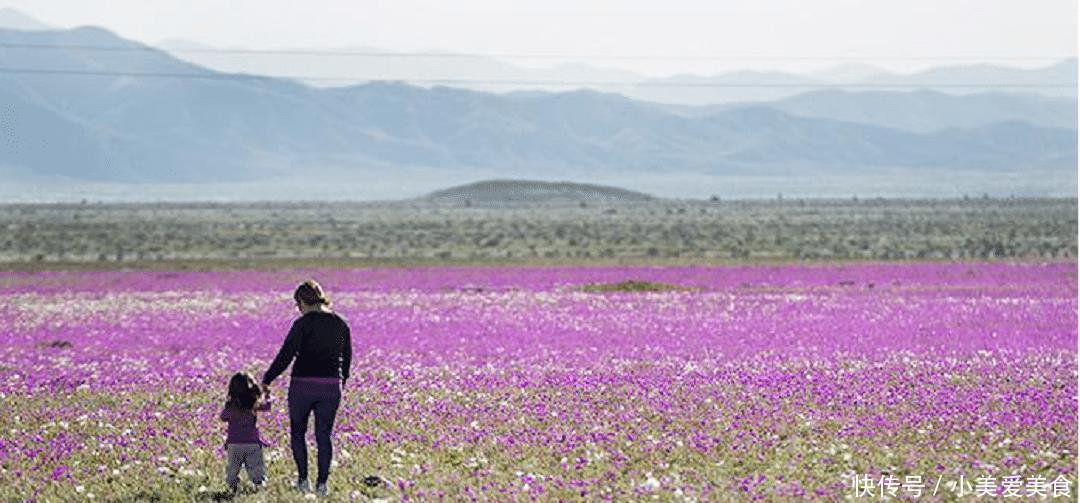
(632,286)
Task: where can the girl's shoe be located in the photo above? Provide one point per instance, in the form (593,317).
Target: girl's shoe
(303,486)
(322,490)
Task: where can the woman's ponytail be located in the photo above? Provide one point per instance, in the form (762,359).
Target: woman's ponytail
(311,293)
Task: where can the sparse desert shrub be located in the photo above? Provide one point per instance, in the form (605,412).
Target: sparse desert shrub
(633,286)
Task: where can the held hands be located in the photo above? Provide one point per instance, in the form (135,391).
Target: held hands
(264,398)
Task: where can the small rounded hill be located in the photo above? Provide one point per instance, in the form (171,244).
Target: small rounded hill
(530,191)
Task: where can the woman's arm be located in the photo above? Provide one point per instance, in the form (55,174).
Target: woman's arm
(346,355)
(285,354)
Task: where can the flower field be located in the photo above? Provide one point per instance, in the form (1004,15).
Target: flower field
(942,382)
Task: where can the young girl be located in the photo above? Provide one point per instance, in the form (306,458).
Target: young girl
(243,443)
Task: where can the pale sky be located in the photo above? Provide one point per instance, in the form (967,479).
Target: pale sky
(753,32)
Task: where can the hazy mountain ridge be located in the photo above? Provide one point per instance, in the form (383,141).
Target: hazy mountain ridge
(357,65)
(142,128)
(13,19)
(922,110)
(1057,80)
(925,110)
(354,65)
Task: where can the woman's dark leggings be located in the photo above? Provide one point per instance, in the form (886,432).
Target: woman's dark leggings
(305,397)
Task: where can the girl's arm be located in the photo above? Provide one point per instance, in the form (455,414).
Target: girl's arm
(226,414)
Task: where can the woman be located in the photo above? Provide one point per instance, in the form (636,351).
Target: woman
(320,342)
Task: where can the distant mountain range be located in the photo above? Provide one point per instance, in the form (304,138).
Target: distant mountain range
(13,19)
(355,65)
(359,65)
(145,116)
(921,110)
(1057,80)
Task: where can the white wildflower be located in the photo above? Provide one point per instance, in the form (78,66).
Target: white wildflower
(650,483)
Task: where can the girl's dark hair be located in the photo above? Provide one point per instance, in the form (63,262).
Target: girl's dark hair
(311,293)
(243,391)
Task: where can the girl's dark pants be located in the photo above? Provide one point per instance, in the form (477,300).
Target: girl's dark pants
(323,396)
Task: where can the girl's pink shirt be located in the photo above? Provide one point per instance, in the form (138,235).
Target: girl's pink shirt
(243,427)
